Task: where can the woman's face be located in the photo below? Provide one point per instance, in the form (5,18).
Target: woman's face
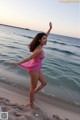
(43,40)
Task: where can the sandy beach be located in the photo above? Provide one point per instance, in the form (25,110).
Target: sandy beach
(14,101)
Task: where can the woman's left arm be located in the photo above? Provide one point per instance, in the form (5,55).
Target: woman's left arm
(50,27)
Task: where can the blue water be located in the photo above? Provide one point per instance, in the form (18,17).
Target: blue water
(61,65)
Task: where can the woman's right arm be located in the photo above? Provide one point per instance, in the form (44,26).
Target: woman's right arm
(34,54)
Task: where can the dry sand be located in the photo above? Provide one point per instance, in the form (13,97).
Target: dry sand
(13,100)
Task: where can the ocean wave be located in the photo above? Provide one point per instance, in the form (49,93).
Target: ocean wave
(71,84)
(1,61)
(3,55)
(76,103)
(77,46)
(27,36)
(77,83)
(61,43)
(58,42)
(20,43)
(9,46)
(18,56)
(5,62)
(13,47)
(63,51)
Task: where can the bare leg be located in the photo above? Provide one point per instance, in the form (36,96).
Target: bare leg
(42,84)
(34,92)
(34,79)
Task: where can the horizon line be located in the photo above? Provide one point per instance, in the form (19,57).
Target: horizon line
(36,30)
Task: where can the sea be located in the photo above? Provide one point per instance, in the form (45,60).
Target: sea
(61,65)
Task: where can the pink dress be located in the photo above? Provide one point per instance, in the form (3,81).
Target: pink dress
(35,64)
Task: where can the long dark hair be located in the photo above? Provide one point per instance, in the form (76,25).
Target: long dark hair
(36,41)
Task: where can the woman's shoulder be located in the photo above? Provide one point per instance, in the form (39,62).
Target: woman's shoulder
(38,51)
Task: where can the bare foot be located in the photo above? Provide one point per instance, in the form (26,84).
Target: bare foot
(32,106)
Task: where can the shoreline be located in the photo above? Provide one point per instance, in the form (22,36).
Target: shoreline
(49,105)
(9,77)
(39,96)
(15,27)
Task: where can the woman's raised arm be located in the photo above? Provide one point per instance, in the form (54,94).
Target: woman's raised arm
(50,27)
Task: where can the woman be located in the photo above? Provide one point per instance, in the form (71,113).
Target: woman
(33,64)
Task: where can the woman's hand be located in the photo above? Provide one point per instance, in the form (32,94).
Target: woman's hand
(15,64)
(50,25)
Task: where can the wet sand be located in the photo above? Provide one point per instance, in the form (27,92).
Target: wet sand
(14,101)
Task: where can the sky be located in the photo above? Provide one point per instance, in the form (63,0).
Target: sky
(36,15)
